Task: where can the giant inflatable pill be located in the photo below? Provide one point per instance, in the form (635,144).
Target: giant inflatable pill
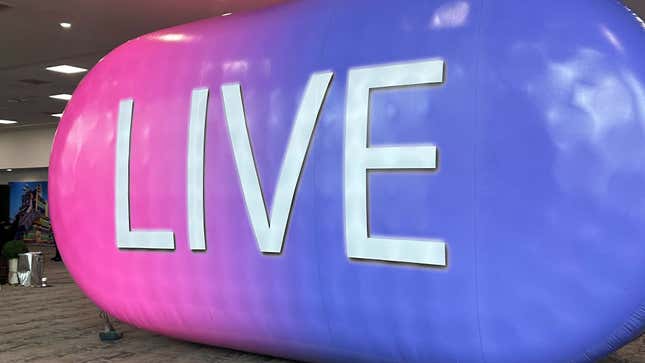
(416,181)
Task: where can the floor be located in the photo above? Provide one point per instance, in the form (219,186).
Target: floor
(67,331)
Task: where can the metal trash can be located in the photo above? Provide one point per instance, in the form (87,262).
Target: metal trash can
(37,269)
(24,267)
(30,268)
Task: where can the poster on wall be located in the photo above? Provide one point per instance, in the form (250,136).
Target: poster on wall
(28,208)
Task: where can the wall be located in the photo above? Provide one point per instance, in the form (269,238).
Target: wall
(26,147)
(33,174)
(17,175)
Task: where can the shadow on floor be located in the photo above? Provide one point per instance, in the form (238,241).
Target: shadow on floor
(60,324)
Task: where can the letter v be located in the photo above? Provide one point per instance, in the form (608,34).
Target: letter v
(270,233)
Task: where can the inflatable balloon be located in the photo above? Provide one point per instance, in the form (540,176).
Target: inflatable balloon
(367,180)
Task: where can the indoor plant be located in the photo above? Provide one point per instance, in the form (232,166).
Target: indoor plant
(10,251)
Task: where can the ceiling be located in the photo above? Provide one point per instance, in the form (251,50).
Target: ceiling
(32,40)
(637,6)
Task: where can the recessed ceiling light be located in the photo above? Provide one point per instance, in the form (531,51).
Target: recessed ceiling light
(227,14)
(62,96)
(63,68)
(172,37)
(7,122)
(59,115)
(65,25)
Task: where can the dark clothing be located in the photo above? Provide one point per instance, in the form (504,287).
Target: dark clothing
(10,232)
(7,233)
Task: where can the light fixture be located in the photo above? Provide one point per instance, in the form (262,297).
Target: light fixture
(7,122)
(9,170)
(65,25)
(64,68)
(172,37)
(62,96)
(59,115)
(227,14)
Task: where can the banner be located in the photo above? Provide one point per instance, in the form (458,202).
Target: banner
(28,208)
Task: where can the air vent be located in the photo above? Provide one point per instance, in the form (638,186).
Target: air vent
(34,82)
(18,100)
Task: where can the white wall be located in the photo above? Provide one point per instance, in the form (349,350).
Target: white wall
(26,147)
(23,175)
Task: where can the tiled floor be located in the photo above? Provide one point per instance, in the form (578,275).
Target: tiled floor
(59,324)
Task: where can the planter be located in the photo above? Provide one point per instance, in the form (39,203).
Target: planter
(13,271)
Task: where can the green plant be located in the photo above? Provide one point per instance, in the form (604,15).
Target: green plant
(11,249)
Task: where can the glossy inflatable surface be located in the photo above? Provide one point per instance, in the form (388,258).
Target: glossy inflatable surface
(539,194)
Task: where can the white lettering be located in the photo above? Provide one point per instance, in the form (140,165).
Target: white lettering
(359,159)
(270,232)
(195,170)
(126,238)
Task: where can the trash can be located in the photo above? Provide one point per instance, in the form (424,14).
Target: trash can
(30,268)
(37,269)
(24,275)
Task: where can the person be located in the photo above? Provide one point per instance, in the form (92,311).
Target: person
(4,233)
(56,258)
(7,231)
(4,238)
(13,229)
